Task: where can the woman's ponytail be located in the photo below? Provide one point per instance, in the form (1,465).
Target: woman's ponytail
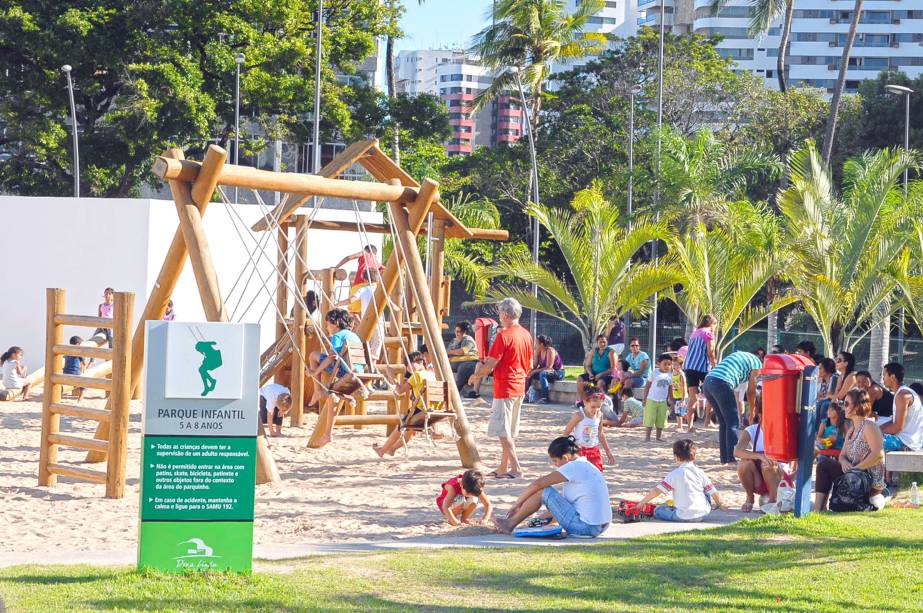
(563,445)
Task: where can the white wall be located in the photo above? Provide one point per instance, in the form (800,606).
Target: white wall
(88,244)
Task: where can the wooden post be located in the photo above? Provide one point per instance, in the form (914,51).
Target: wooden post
(266,471)
(190,221)
(328,285)
(432,332)
(282,282)
(428,194)
(120,395)
(436,271)
(51,422)
(298,365)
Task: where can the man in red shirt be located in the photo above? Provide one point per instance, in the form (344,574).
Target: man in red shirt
(510,359)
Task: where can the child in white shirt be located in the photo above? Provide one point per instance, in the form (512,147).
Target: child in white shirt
(693,493)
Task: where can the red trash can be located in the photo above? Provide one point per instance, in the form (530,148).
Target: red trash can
(781,374)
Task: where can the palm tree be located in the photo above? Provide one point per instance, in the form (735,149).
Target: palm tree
(723,270)
(701,174)
(844,248)
(764,14)
(841,82)
(602,281)
(532,35)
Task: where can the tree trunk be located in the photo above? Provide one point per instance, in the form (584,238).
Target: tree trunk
(772,330)
(772,322)
(841,82)
(783,44)
(836,340)
(392,93)
(880,346)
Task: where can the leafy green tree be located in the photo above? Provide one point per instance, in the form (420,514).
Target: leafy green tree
(533,35)
(779,122)
(601,279)
(844,247)
(880,119)
(150,75)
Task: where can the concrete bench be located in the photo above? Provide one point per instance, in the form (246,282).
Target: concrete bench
(564,392)
(904,461)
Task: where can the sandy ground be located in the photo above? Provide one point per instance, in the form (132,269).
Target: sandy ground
(340,494)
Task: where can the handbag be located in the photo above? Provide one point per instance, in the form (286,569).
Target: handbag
(851,492)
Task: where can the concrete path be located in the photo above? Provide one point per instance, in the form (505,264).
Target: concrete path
(615,532)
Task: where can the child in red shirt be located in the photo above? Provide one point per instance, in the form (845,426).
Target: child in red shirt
(460,496)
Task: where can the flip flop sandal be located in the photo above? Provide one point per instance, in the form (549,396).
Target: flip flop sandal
(506,476)
(494,474)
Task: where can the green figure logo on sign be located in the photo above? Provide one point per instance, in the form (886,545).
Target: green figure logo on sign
(211,360)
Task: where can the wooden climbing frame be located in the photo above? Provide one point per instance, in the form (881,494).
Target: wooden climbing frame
(193,185)
(114,418)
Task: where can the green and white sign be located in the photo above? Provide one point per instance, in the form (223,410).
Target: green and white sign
(198,467)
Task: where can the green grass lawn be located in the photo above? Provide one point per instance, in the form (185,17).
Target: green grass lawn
(572,372)
(822,563)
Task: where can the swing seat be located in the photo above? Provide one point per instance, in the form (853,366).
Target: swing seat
(430,411)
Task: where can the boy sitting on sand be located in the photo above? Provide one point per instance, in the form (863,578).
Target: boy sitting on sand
(694,495)
(459,498)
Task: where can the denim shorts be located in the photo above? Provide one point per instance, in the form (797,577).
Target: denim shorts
(665,512)
(566,514)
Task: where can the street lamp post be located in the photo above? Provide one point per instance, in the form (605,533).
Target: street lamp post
(634,91)
(66,68)
(535,225)
(239,60)
(900,90)
(317,74)
(663,18)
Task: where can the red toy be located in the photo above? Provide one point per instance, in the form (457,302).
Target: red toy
(628,511)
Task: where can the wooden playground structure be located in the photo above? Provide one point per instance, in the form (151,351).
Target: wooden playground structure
(411,207)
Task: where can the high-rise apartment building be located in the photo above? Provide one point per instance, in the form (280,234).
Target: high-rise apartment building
(457,78)
(889,37)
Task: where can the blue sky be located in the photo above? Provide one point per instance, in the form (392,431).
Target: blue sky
(442,23)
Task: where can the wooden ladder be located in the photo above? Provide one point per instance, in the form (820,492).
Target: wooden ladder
(118,386)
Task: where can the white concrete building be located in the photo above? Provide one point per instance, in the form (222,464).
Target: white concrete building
(85,245)
(415,70)
(889,37)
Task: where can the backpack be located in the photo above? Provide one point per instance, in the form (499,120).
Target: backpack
(851,492)
(485,333)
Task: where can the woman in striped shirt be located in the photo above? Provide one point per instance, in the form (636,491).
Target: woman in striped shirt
(738,368)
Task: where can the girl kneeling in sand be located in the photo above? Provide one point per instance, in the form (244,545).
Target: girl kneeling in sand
(459,498)
(582,507)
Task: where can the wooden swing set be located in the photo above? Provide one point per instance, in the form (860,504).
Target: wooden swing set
(403,281)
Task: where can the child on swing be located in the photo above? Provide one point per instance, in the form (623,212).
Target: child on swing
(414,382)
